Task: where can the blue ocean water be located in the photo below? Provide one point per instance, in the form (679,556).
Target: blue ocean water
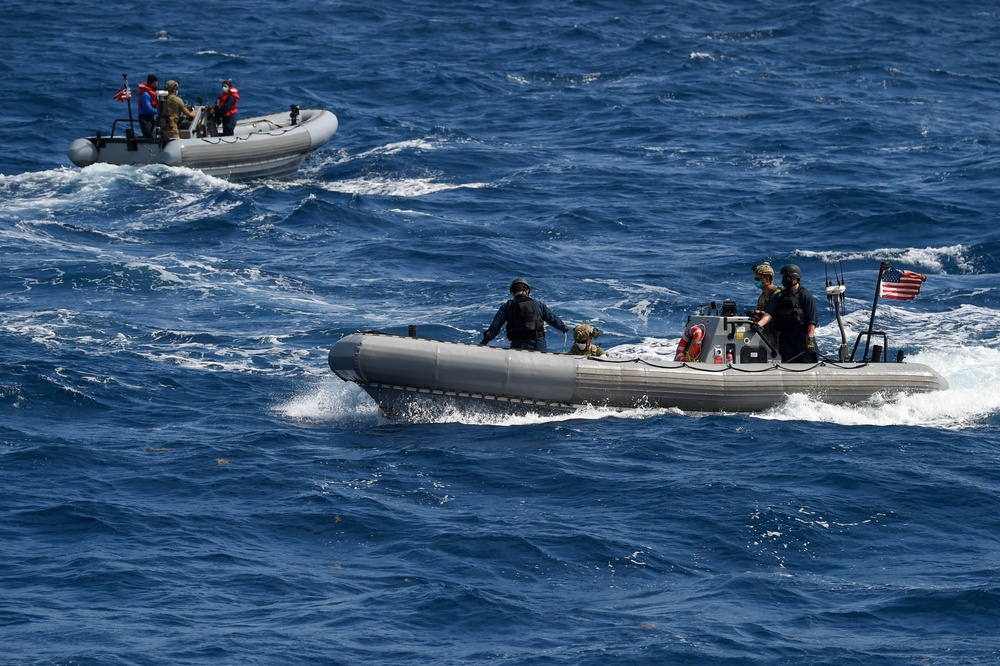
(182,479)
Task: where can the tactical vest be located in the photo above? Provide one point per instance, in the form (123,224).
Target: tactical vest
(790,312)
(524,323)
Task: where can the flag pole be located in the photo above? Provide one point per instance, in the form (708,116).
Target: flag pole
(131,122)
(883,267)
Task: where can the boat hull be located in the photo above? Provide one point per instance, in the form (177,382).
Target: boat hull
(397,370)
(270,146)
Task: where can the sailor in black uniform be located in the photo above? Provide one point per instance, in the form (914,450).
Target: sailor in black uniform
(525,318)
(794,311)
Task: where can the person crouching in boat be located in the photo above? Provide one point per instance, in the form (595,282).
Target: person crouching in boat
(525,318)
(170,112)
(794,310)
(583,341)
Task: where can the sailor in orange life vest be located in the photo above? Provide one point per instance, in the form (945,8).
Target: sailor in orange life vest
(147,105)
(225,110)
(794,310)
(525,318)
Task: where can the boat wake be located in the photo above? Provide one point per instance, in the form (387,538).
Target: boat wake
(968,402)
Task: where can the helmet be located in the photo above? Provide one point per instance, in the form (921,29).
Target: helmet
(584,332)
(172,85)
(764,269)
(791,271)
(519,284)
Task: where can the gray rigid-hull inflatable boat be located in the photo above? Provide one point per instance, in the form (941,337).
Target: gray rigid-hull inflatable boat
(400,370)
(270,146)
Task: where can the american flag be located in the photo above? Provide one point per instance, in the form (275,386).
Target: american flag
(901,285)
(124,94)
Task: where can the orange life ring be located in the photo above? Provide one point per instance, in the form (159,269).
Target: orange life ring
(689,348)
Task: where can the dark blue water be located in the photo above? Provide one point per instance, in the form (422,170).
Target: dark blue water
(182,479)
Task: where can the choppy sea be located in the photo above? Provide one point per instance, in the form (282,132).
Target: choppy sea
(184,481)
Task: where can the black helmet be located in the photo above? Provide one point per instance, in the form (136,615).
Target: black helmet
(791,271)
(519,284)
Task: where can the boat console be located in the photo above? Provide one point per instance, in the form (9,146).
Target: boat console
(197,127)
(729,337)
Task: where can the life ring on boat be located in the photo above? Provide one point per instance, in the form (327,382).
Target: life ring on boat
(689,348)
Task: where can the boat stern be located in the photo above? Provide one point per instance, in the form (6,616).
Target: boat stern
(82,152)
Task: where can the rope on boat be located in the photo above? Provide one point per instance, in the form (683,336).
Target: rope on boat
(271,131)
(701,367)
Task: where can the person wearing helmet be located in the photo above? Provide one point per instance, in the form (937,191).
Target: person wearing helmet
(763,276)
(525,319)
(171,110)
(583,341)
(795,313)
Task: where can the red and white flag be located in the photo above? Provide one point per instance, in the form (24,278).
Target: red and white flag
(124,94)
(901,285)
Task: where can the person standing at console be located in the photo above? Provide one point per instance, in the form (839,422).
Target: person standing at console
(794,310)
(170,112)
(226,108)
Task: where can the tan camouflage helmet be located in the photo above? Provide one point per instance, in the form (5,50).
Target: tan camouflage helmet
(764,269)
(584,332)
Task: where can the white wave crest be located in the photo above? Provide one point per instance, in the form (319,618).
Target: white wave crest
(396,187)
(927,258)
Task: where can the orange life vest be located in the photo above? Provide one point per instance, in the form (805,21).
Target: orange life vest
(224,97)
(152,94)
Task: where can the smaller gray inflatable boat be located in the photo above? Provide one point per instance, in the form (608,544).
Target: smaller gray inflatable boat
(271,146)
(734,371)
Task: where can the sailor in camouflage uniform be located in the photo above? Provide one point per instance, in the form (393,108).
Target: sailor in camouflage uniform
(170,112)
(764,279)
(583,336)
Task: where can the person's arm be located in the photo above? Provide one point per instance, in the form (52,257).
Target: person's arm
(772,309)
(812,317)
(551,319)
(499,319)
